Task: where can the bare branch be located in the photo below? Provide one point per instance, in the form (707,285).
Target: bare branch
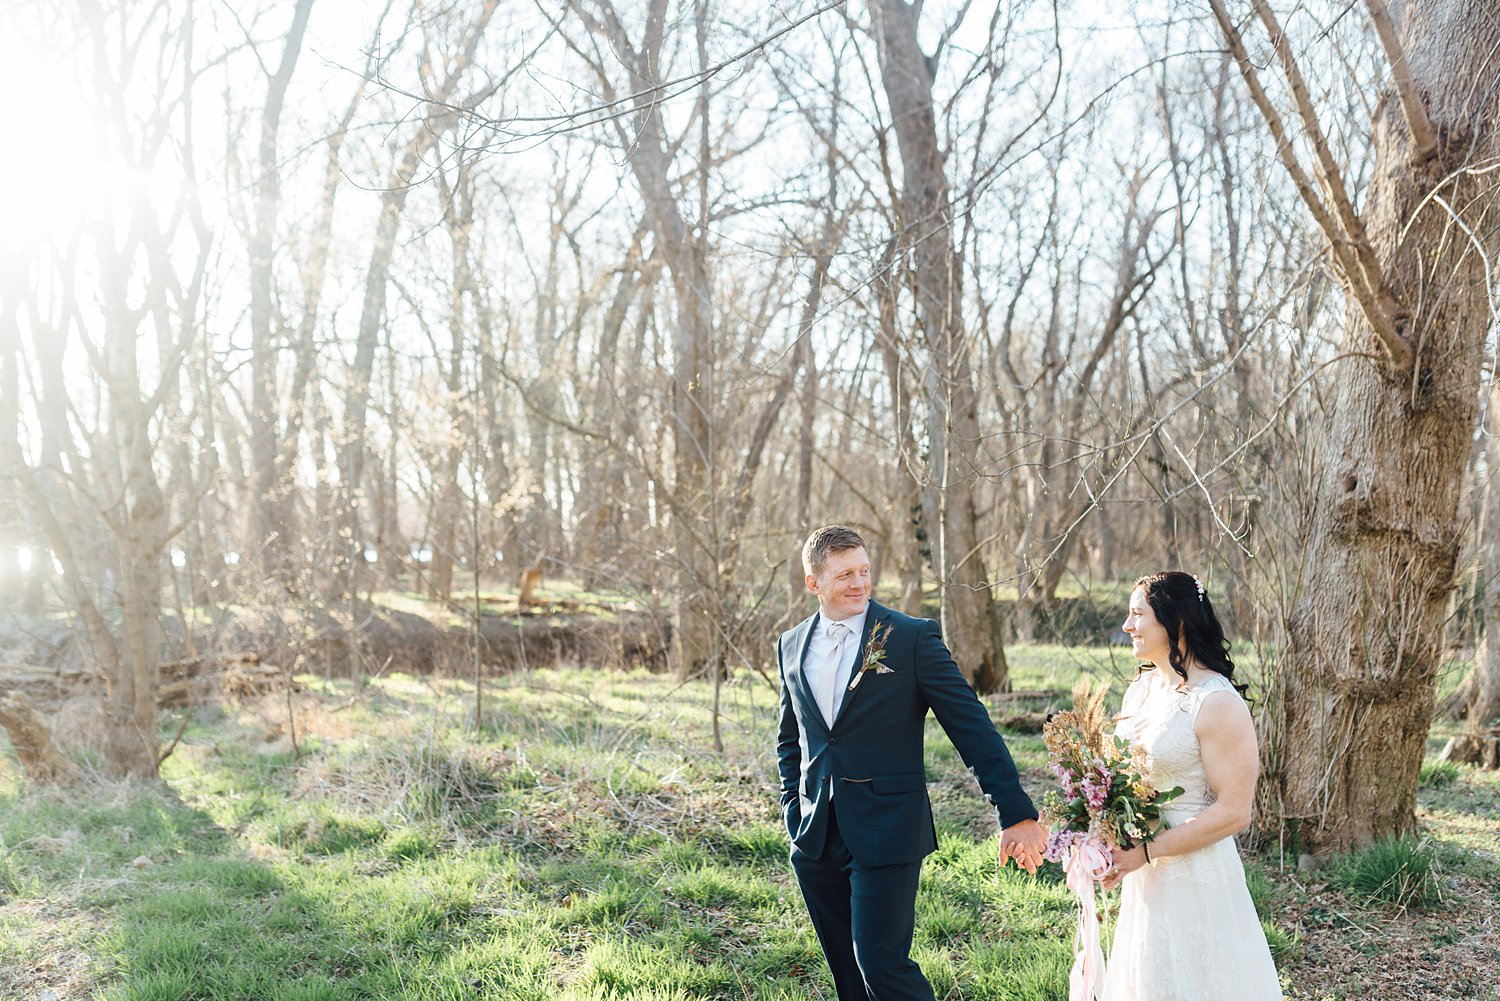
(1341,241)
(1328,170)
(1422,134)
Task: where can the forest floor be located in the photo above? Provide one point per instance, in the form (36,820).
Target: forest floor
(585,840)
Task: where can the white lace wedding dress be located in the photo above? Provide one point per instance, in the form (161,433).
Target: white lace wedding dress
(1187,929)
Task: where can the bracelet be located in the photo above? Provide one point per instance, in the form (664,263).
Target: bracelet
(1146,847)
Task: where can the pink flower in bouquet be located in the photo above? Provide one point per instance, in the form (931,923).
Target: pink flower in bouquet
(1096,793)
(1069,789)
(1061,842)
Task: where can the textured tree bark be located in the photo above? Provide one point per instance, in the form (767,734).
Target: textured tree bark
(970,618)
(1352,696)
(142,539)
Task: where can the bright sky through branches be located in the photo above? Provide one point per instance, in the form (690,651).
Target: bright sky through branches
(56,169)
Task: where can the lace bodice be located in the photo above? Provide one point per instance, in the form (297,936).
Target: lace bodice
(1160,719)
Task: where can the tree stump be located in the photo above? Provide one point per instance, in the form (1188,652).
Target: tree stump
(1480,748)
(531,579)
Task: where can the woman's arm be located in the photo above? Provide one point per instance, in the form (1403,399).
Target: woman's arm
(1231,761)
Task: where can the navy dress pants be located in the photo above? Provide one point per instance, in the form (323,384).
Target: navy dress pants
(864,917)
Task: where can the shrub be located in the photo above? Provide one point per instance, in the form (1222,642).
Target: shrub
(332,832)
(413,784)
(442,784)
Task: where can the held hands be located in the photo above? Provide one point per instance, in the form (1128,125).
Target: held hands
(1024,842)
(1124,862)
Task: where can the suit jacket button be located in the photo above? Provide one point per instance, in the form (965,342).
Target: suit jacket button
(833,740)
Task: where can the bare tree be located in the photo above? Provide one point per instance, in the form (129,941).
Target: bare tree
(686,256)
(266,333)
(971,623)
(442,80)
(101,504)
(1354,685)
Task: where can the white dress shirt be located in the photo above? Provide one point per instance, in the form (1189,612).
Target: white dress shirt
(819,659)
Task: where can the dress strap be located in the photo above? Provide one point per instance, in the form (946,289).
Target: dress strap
(1195,695)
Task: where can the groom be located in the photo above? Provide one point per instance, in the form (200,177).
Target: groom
(857,680)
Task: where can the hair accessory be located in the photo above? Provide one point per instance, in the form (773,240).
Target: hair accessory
(1201,592)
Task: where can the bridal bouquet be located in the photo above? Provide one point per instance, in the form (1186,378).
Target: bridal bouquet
(1103,799)
(1103,803)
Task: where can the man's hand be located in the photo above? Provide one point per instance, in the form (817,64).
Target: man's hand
(1024,842)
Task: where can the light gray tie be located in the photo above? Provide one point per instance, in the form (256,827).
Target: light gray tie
(828,687)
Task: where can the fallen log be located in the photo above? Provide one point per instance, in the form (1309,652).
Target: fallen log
(180,682)
(1022,722)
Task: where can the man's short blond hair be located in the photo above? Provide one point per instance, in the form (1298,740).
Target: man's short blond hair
(826,540)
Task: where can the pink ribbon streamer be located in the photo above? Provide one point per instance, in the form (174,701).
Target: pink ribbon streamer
(1087,864)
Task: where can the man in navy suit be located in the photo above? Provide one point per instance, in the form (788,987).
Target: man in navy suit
(857,680)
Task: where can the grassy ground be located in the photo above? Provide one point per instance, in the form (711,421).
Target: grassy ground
(585,841)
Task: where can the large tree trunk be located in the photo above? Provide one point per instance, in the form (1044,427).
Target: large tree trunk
(969,614)
(1353,694)
(143,534)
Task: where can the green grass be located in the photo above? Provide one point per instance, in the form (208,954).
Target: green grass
(1437,774)
(1268,898)
(1403,872)
(584,843)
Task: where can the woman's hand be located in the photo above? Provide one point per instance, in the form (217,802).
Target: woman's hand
(1124,862)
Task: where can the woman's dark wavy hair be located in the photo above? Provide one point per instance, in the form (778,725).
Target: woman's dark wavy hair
(1188,616)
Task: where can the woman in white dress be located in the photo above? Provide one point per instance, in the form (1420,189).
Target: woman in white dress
(1187,929)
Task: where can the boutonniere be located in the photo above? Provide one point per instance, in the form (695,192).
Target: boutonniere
(874,654)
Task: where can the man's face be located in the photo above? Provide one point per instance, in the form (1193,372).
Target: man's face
(843,585)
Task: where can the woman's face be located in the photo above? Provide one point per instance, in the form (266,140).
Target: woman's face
(1148,638)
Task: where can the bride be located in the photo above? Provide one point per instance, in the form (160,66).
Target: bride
(1187,929)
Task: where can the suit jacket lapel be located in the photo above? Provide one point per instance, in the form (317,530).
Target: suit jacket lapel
(876,615)
(801,640)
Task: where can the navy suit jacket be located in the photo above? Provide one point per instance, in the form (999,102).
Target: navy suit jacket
(873,752)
